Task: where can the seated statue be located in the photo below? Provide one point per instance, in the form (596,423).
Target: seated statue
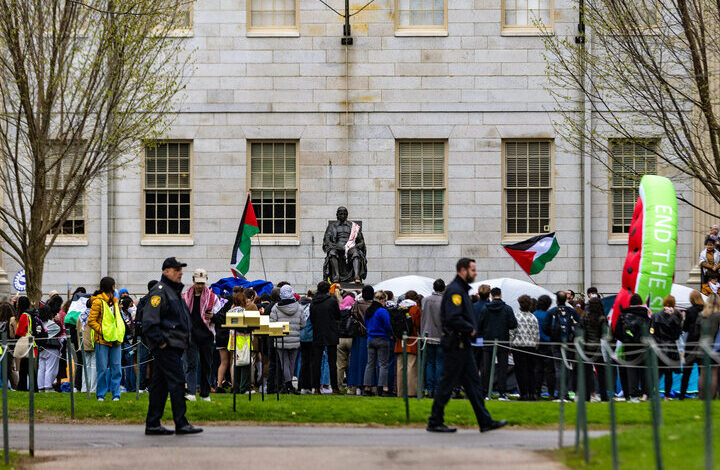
(344,246)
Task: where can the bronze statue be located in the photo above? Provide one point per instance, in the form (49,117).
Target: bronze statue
(344,246)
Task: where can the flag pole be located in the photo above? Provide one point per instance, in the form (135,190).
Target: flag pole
(521,269)
(262,260)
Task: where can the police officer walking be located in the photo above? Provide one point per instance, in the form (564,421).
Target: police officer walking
(459,330)
(166,329)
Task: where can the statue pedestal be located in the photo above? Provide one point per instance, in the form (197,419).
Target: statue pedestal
(351,286)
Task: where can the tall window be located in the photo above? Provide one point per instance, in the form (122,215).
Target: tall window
(528,187)
(167,189)
(273,186)
(421,14)
(629,161)
(57,177)
(421,188)
(272,14)
(522,14)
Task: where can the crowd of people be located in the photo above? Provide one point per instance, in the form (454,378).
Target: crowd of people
(351,342)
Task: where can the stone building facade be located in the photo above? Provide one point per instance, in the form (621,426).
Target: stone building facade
(433,128)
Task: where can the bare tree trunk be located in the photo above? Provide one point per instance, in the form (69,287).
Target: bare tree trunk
(34,266)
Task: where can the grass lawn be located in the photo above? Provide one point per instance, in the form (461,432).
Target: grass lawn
(347,410)
(683,446)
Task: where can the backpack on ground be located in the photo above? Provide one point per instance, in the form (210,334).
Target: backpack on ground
(563,324)
(401,322)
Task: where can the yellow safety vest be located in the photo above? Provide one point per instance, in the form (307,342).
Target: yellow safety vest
(113,326)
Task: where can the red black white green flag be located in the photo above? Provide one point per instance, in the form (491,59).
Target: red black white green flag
(532,254)
(241,249)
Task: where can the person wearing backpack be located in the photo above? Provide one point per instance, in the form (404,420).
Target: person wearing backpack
(29,324)
(288,310)
(49,350)
(496,321)
(691,327)
(666,327)
(411,309)
(631,327)
(709,321)
(560,324)
(358,353)
(379,339)
(106,321)
(347,330)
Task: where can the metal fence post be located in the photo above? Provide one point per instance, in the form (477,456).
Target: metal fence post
(137,371)
(492,370)
(652,388)
(31,398)
(6,437)
(609,382)
(405,378)
(581,420)
(71,377)
(707,398)
(421,364)
(561,419)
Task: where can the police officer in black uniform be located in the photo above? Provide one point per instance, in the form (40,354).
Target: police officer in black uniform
(459,330)
(166,329)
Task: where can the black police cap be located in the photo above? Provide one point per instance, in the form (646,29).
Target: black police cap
(172,262)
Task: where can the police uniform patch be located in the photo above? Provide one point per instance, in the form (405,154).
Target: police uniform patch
(457,299)
(155,300)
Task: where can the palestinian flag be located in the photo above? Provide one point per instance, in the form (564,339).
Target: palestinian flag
(241,249)
(532,254)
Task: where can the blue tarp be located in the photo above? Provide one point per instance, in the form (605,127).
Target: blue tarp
(224,286)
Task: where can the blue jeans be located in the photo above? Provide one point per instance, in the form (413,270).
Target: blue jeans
(128,371)
(109,372)
(433,366)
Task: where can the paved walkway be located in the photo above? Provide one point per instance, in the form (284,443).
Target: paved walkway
(296,447)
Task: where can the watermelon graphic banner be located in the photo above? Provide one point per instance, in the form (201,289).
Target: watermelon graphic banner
(240,261)
(650,264)
(532,254)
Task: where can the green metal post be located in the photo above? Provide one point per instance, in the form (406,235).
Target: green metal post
(561,420)
(421,373)
(6,436)
(613,427)
(71,377)
(137,370)
(652,387)
(708,413)
(492,370)
(405,378)
(581,405)
(31,399)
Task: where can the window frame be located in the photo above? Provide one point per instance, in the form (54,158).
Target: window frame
(72,238)
(515,237)
(525,30)
(166,239)
(271,31)
(269,238)
(420,238)
(420,30)
(621,238)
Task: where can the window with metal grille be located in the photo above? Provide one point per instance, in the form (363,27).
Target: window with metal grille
(57,176)
(273,186)
(167,189)
(629,161)
(421,188)
(421,14)
(272,14)
(528,187)
(524,13)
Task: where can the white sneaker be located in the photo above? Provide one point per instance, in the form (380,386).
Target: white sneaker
(634,400)
(305,391)
(205,398)
(189,397)
(116,399)
(595,399)
(101,399)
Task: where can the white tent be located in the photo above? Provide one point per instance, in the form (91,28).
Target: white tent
(514,288)
(399,285)
(682,295)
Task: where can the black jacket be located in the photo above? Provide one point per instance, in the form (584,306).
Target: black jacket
(166,318)
(456,313)
(324,315)
(496,321)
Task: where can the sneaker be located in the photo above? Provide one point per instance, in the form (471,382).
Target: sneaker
(595,399)
(101,399)
(205,398)
(116,399)
(305,391)
(122,388)
(503,397)
(634,400)
(189,397)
